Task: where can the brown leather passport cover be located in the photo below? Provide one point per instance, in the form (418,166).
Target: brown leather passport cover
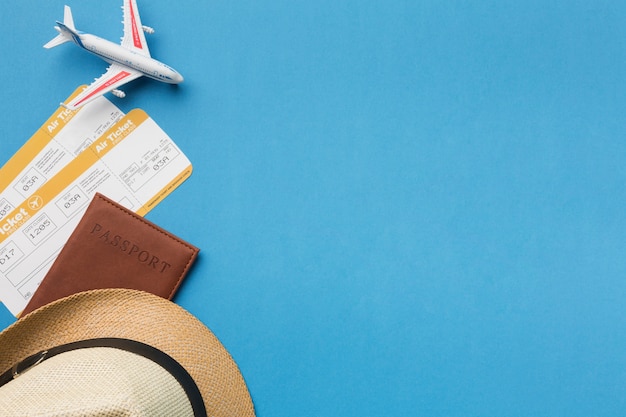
(112,247)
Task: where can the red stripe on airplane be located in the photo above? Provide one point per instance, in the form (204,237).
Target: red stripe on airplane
(133,22)
(120,76)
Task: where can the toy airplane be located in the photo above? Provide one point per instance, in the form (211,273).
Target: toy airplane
(129,61)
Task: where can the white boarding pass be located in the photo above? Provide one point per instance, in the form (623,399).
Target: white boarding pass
(57,142)
(134,163)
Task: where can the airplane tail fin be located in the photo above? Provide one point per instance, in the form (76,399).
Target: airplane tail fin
(67,30)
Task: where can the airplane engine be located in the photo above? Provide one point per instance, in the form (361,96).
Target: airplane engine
(148,29)
(118,93)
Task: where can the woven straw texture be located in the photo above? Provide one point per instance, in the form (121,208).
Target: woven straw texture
(137,316)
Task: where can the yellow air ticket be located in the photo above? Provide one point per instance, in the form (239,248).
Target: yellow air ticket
(56,143)
(134,163)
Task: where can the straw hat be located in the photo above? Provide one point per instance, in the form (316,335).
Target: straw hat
(117,352)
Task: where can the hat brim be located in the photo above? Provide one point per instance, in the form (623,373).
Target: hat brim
(140,316)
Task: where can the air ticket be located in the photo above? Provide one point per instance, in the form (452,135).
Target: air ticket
(57,142)
(134,163)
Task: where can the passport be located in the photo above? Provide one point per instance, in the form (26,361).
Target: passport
(113,247)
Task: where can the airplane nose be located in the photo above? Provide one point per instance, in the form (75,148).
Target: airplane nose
(169,75)
(177,78)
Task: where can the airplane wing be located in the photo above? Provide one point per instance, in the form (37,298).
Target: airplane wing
(134,37)
(115,77)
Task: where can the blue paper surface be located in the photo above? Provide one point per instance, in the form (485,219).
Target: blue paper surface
(403,208)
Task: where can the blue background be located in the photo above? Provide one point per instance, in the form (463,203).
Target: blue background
(403,207)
